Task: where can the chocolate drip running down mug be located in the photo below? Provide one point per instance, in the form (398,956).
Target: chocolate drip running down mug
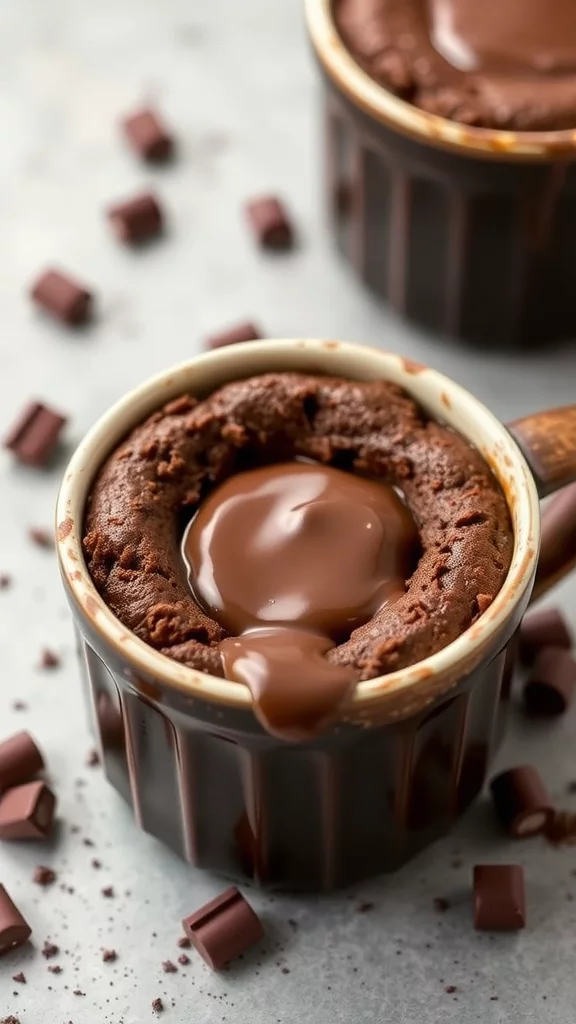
(410,751)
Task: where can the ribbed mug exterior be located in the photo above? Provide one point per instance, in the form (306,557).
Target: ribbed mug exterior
(229,797)
(467,246)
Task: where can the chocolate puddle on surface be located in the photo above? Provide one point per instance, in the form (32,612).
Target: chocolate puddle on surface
(290,559)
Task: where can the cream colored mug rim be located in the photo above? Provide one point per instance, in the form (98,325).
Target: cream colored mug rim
(442,397)
(384,106)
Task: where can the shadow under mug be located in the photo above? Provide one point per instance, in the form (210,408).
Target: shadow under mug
(409,752)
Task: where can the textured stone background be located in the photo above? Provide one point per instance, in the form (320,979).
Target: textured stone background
(237,82)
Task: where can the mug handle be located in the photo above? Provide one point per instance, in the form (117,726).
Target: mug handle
(548,442)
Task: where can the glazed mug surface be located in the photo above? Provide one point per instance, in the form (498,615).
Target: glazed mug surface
(468,231)
(410,750)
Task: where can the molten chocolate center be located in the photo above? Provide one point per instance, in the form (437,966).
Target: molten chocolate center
(505,35)
(290,559)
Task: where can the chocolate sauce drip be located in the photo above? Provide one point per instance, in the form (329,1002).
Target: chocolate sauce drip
(289,559)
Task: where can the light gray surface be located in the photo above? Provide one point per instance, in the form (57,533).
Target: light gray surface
(238,83)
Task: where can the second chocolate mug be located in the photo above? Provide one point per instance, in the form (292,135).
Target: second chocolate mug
(410,751)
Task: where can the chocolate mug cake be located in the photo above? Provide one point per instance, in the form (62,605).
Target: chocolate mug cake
(450,167)
(189,525)
(297,534)
(510,65)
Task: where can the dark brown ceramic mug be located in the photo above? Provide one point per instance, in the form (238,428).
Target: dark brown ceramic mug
(411,749)
(469,231)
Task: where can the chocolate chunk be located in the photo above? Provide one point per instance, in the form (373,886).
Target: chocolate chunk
(63,297)
(241,332)
(521,801)
(157,1005)
(49,659)
(109,956)
(561,829)
(35,435)
(27,812)
(93,759)
(148,136)
(50,950)
(20,760)
(55,969)
(183,959)
(137,220)
(184,942)
(270,223)
(5,581)
(41,537)
(108,892)
(550,688)
(499,901)
(545,628)
(20,978)
(223,928)
(96,864)
(14,931)
(44,876)
(169,968)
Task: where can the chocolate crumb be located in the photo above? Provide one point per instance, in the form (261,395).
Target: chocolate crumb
(168,967)
(88,842)
(44,876)
(49,659)
(55,969)
(20,978)
(364,908)
(50,950)
(183,959)
(441,904)
(93,759)
(184,942)
(109,956)
(19,705)
(456,863)
(108,892)
(78,992)
(157,1005)
(571,787)
(450,989)
(96,864)
(285,970)
(41,537)
(5,581)
(292,922)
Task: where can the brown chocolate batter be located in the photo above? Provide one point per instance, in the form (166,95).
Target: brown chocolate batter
(170,466)
(507,64)
(297,545)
